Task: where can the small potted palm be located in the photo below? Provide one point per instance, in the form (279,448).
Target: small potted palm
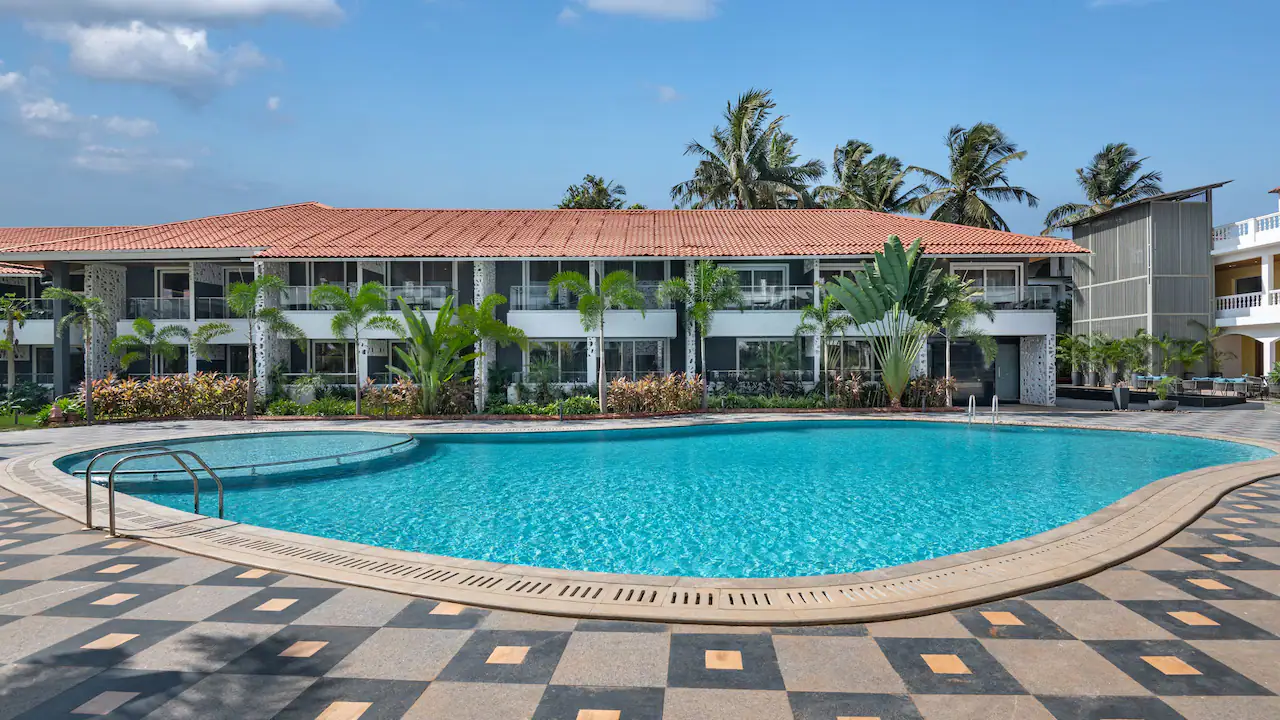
(1162,402)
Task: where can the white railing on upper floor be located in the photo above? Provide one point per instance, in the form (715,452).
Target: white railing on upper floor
(1246,233)
(1243,301)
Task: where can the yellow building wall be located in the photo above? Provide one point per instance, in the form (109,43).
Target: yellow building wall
(1224,278)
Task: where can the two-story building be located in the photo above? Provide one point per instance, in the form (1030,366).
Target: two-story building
(178,273)
(1247,303)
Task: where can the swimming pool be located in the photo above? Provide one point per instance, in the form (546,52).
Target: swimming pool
(751,500)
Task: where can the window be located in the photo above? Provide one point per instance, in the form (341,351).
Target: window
(646,271)
(177,365)
(238,275)
(760,277)
(421,273)
(998,283)
(770,357)
(173,283)
(557,361)
(634,359)
(1248,285)
(535,294)
(333,358)
(830,271)
(852,356)
(332,273)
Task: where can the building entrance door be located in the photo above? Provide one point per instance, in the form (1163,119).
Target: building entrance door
(1008,372)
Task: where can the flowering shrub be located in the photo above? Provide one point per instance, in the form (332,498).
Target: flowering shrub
(206,394)
(405,398)
(652,394)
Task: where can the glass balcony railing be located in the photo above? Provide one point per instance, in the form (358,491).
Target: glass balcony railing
(1013,297)
(298,297)
(776,297)
(423,297)
(537,296)
(212,308)
(39,309)
(158,308)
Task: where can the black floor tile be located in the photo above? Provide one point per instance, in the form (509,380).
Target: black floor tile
(231,577)
(305,650)
(133,694)
(274,606)
(116,569)
(1108,708)
(692,653)
(1070,591)
(829,706)
(1238,560)
(1227,627)
(984,676)
(114,594)
(1235,589)
(418,615)
(565,702)
(385,699)
(125,638)
(1206,676)
(1034,625)
(525,657)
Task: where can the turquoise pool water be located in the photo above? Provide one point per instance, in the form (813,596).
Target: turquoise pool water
(751,500)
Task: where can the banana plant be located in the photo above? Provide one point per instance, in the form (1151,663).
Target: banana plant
(899,299)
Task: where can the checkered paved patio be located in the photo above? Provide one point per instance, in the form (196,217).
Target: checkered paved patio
(95,626)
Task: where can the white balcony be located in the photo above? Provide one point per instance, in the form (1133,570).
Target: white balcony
(1246,234)
(1259,308)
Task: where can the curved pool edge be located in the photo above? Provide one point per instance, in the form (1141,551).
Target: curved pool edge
(1132,525)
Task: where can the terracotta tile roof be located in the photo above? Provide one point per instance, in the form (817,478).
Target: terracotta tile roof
(10,237)
(314,230)
(1277,190)
(10,270)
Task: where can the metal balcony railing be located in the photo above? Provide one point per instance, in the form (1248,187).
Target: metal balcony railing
(158,308)
(776,297)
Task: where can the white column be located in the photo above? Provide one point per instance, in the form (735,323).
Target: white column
(1268,355)
(270,350)
(191,361)
(595,353)
(1268,277)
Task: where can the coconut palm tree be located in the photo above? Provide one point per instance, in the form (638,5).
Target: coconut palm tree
(365,310)
(879,184)
(710,290)
(147,342)
(824,321)
(13,313)
(202,339)
(86,312)
(979,160)
(483,323)
(252,301)
(1111,180)
(617,290)
(899,298)
(750,164)
(963,305)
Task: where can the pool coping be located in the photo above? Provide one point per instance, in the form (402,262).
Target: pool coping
(1130,526)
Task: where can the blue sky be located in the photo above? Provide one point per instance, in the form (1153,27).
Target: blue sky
(137,111)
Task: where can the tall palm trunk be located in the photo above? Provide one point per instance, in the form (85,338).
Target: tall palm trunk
(88,375)
(359,381)
(600,380)
(947,370)
(706,379)
(11,337)
(253,361)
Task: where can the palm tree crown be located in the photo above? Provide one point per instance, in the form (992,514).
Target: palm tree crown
(617,290)
(751,162)
(1111,180)
(878,184)
(147,342)
(712,288)
(979,173)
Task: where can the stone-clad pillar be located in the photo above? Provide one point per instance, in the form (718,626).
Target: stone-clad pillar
(105,282)
(485,272)
(270,350)
(1038,376)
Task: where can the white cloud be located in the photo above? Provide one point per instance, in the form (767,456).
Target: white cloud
(568,16)
(130,127)
(175,11)
(46,117)
(10,81)
(273,103)
(119,161)
(664,9)
(667,94)
(176,57)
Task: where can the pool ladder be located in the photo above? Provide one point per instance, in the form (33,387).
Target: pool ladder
(132,454)
(972,412)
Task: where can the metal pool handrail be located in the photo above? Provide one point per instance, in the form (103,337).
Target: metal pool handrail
(338,457)
(176,455)
(972,412)
(995,409)
(88,475)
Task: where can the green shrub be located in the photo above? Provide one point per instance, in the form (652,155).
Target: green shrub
(206,394)
(572,406)
(330,407)
(284,407)
(672,393)
(579,406)
(27,396)
(71,405)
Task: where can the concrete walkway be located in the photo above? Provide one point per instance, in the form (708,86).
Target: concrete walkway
(91,626)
